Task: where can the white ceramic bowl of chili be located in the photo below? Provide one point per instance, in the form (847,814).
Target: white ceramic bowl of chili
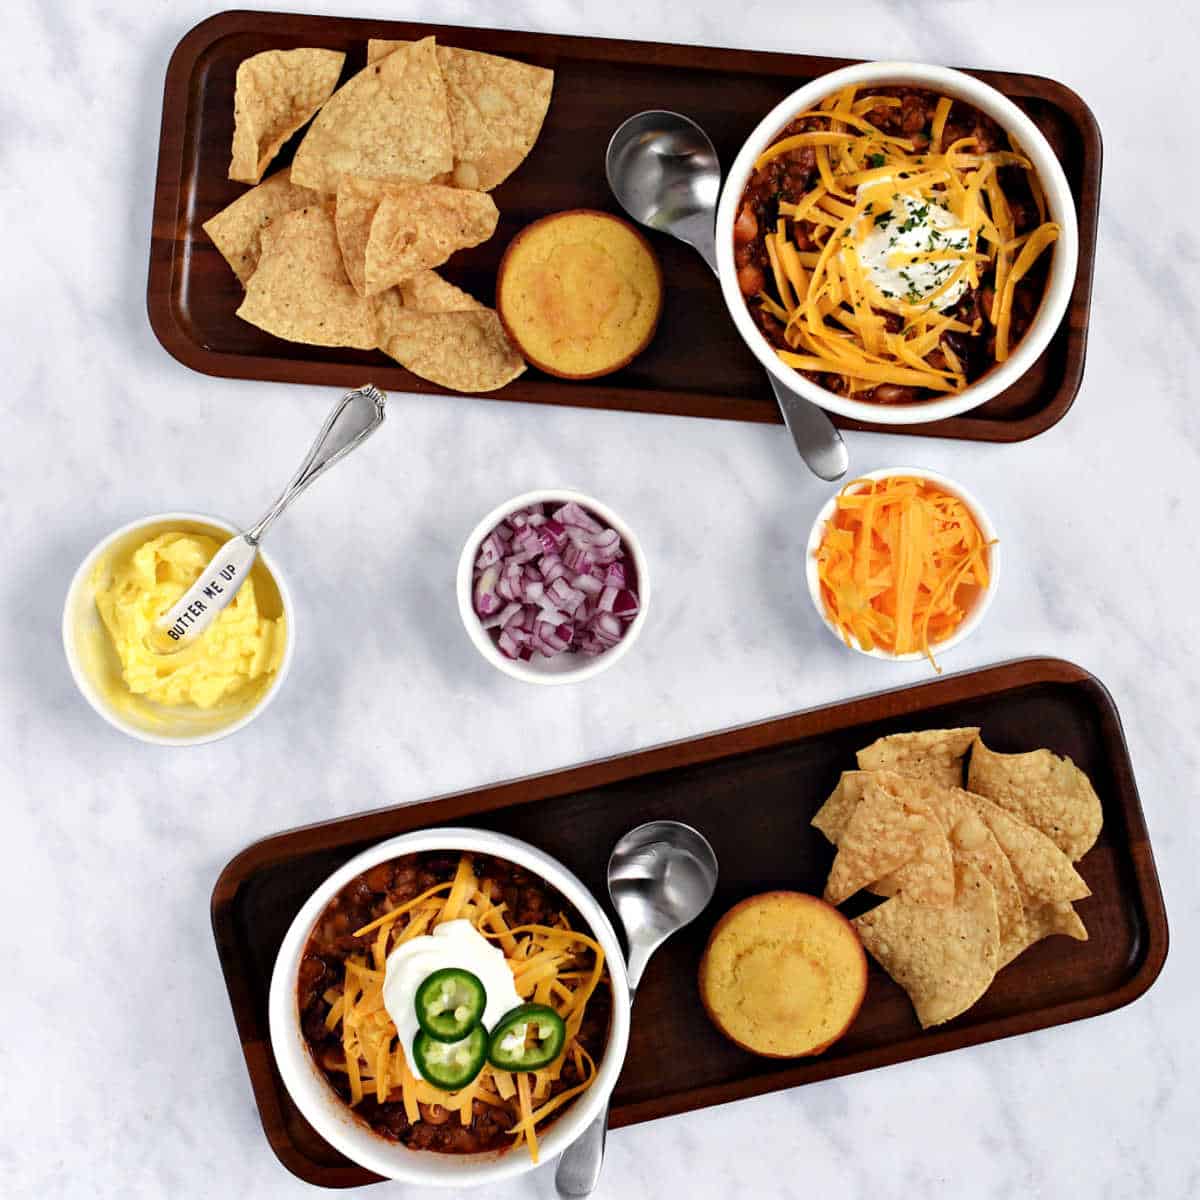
(567,667)
(1059,203)
(335,1121)
(980,603)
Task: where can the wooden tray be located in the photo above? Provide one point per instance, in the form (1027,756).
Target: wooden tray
(752,792)
(697,364)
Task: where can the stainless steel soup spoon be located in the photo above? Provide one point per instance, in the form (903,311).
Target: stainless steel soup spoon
(661,876)
(663,169)
(353,419)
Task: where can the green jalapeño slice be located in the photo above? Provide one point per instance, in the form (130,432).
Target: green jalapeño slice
(451,1065)
(528,1038)
(450,1004)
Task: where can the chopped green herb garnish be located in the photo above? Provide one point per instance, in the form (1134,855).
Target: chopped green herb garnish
(876,160)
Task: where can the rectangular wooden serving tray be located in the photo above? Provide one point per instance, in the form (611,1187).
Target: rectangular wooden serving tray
(751,791)
(697,365)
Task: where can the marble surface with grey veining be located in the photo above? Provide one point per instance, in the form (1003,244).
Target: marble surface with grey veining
(121,1072)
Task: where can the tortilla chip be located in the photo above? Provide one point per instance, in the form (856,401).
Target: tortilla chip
(1043,921)
(971,841)
(1044,873)
(357,200)
(832,816)
(885,832)
(419,227)
(277,91)
(389,122)
(496,108)
(236,231)
(944,958)
(934,754)
(1050,793)
(300,291)
(463,347)
(390,231)
(427,291)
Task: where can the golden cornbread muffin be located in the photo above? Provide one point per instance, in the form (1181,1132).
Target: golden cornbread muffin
(579,293)
(783,975)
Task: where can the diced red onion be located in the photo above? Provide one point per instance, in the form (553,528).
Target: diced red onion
(626,605)
(487,601)
(572,514)
(491,550)
(577,558)
(553,584)
(606,628)
(508,613)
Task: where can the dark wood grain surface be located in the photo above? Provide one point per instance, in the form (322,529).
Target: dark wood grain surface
(752,792)
(697,364)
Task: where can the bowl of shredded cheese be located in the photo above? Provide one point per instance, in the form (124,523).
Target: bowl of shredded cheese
(897,271)
(902,564)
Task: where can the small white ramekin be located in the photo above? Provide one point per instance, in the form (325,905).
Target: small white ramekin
(96,671)
(983,601)
(328,1113)
(1059,201)
(563,668)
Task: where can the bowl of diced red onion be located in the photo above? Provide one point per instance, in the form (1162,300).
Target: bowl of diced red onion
(553,587)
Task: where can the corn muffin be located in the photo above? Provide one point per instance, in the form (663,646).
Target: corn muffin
(783,975)
(579,293)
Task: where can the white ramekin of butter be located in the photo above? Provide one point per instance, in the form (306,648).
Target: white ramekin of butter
(206,691)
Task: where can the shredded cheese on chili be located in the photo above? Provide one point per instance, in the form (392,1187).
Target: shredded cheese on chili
(831,307)
(550,964)
(900,563)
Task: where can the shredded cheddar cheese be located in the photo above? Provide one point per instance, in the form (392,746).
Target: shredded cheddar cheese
(900,563)
(554,965)
(837,319)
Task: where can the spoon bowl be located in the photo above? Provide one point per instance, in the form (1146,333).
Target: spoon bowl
(660,878)
(664,172)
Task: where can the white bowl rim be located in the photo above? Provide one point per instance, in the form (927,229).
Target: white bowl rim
(1060,203)
(474,627)
(970,622)
(82,578)
(327,1112)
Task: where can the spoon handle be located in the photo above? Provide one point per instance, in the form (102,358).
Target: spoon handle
(355,417)
(814,434)
(579,1167)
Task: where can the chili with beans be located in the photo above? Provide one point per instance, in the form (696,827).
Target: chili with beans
(528,900)
(794,173)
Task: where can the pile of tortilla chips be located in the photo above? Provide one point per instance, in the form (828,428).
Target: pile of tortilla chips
(973,877)
(389,181)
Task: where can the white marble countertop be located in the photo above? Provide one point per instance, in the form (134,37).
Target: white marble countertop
(122,1072)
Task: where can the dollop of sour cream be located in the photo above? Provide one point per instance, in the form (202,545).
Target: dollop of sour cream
(455,944)
(913,224)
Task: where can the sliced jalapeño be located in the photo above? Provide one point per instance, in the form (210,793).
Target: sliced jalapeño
(451,1065)
(450,1004)
(528,1038)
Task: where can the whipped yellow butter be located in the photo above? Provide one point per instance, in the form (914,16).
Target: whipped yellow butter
(239,647)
